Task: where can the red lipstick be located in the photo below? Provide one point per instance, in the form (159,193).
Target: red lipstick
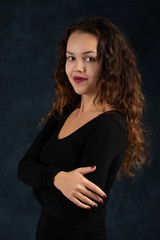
(78,79)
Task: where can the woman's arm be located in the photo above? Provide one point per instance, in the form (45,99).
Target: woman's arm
(101,149)
(30,170)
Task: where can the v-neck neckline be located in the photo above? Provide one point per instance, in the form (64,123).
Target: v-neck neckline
(80,128)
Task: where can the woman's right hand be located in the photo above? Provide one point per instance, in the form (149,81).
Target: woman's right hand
(76,187)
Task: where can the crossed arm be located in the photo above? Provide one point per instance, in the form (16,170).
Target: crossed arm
(30,170)
(102,147)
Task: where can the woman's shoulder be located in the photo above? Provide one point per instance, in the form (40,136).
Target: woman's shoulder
(113,114)
(110,118)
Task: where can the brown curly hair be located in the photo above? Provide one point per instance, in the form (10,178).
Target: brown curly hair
(118,85)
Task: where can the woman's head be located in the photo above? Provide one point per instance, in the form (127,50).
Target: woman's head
(118,76)
(114,75)
(81,61)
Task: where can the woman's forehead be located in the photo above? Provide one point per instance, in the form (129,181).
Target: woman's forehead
(84,42)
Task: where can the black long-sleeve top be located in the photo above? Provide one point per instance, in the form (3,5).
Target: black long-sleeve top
(101,142)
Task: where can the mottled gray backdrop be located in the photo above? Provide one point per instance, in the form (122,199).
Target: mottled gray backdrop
(29,31)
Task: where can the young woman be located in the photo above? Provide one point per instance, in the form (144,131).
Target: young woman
(93,135)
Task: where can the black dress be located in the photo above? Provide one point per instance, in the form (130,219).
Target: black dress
(100,142)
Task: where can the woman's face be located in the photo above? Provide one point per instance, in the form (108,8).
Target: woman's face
(81,60)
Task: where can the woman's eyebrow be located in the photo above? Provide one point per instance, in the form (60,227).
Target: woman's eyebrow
(82,53)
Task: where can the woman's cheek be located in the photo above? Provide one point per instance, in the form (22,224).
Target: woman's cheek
(68,68)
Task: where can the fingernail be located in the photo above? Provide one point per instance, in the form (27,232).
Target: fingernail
(101,201)
(95,205)
(105,196)
(88,208)
(93,166)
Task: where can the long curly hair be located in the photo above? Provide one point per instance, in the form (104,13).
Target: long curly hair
(118,85)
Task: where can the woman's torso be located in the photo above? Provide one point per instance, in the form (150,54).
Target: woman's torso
(65,147)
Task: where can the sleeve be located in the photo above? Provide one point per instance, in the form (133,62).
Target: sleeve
(101,148)
(30,170)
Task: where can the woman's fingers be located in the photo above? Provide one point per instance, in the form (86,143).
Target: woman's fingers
(79,203)
(92,195)
(91,186)
(83,196)
(79,189)
(88,184)
(87,200)
(80,197)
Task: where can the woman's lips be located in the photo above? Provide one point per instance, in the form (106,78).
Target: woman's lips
(79,79)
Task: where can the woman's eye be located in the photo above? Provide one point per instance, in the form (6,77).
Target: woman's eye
(91,59)
(69,58)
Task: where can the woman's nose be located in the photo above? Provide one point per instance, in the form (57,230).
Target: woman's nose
(79,66)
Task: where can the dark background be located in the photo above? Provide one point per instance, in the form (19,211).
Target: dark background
(29,31)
